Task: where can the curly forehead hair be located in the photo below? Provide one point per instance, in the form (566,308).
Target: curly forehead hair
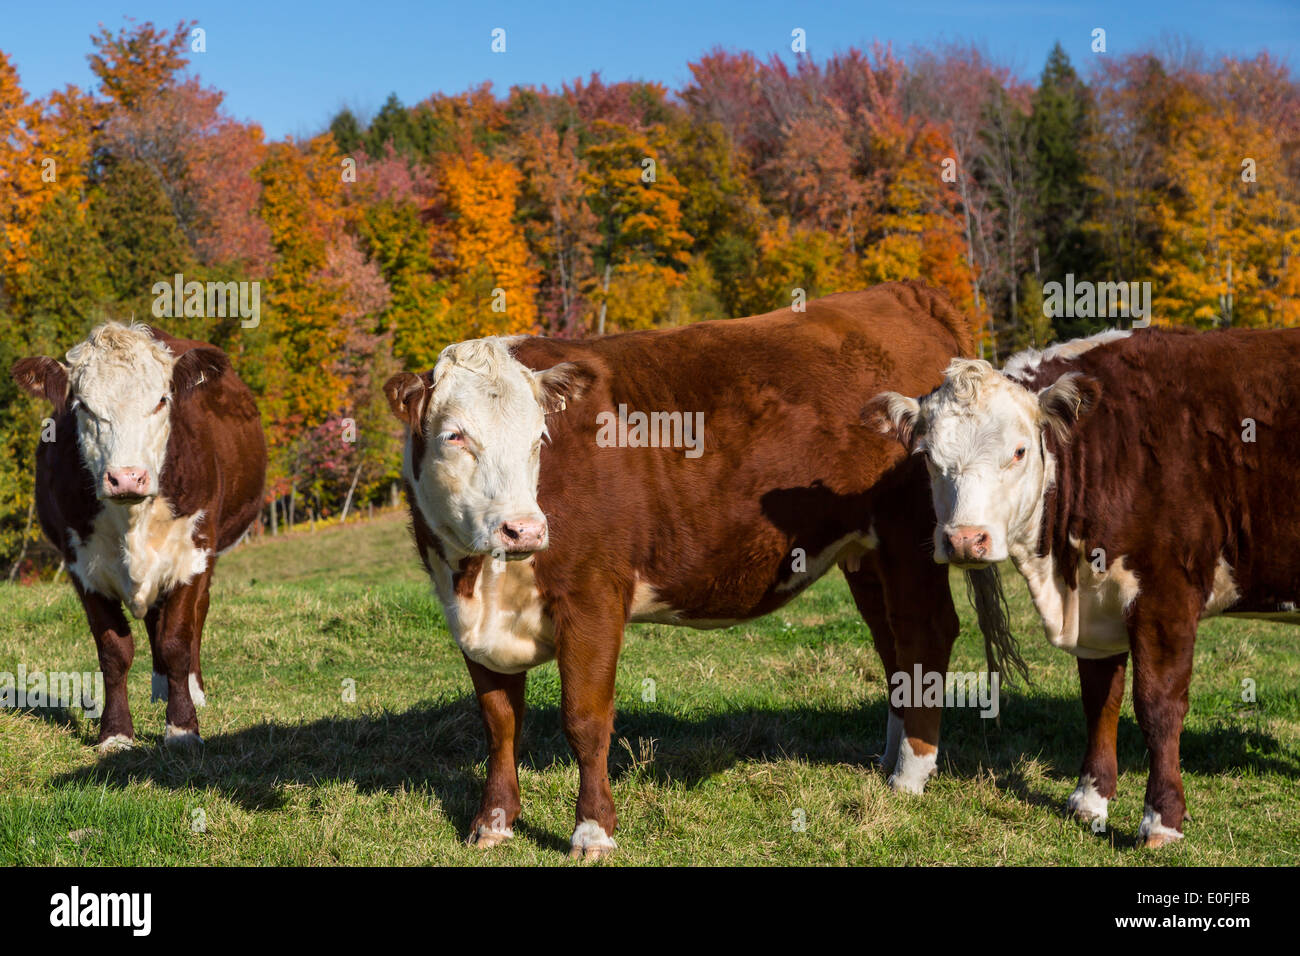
(489,357)
(964,379)
(126,346)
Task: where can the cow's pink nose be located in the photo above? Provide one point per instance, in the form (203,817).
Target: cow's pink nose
(522,535)
(968,543)
(126,482)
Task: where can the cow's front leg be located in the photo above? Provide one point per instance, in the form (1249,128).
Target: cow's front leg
(869,596)
(926,641)
(924,624)
(1101,683)
(1162,645)
(173,641)
(587,658)
(501,702)
(116,650)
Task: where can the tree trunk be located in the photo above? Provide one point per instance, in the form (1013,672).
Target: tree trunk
(347,502)
(604,301)
(27,532)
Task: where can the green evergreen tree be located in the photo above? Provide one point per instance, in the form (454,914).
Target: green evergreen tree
(66,289)
(1059,130)
(347,131)
(141,238)
(392,123)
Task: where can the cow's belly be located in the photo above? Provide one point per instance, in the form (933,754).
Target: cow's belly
(766,592)
(137,553)
(501,623)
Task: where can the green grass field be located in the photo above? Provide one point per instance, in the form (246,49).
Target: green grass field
(749,725)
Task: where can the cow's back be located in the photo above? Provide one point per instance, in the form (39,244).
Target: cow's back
(787,462)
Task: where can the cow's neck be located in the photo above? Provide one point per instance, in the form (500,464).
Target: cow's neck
(138,552)
(1030,550)
(1081,605)
(493,608)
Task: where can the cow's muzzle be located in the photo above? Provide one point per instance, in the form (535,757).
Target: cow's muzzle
(520,537)
(129,484)
(968,545)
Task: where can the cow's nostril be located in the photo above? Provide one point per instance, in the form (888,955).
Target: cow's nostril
(510,532)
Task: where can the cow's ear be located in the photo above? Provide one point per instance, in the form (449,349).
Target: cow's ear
(1066,401)
(407,396)
(895,415)
(43,377)
(563,383)
(198,365)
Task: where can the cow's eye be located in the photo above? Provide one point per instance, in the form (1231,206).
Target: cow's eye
(162,403)
(453,437)
(1020,453)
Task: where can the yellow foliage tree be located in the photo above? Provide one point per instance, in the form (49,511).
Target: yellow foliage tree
(494,280)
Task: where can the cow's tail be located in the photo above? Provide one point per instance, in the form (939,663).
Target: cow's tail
(984,589)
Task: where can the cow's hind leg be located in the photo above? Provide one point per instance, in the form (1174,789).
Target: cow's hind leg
(116,649)
(587,654)
(173,640)
(1102,685)
(501,702)
(1162,643)
(869,596)
(198,691)
(158,682)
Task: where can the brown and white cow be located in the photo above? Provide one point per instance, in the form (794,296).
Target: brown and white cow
(1140,482)
(156,466)
(549,515)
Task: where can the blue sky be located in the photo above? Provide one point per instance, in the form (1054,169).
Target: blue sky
(291,66)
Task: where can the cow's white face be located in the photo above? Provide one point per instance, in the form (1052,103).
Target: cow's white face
(477,423)
(121,383)
(120,387)
(982,437)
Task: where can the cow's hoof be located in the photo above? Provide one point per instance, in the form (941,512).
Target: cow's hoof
(1153,833)
(1086,803)
(115,743)
(184,739)
(591,842)
(484,837)
(913,769)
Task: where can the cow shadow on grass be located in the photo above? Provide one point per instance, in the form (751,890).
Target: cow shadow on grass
(438,747)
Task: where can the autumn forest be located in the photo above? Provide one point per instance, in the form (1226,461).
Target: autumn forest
(603,207)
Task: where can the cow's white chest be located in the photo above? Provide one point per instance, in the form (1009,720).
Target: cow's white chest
(1087,620)
(502,623)
(138,552)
